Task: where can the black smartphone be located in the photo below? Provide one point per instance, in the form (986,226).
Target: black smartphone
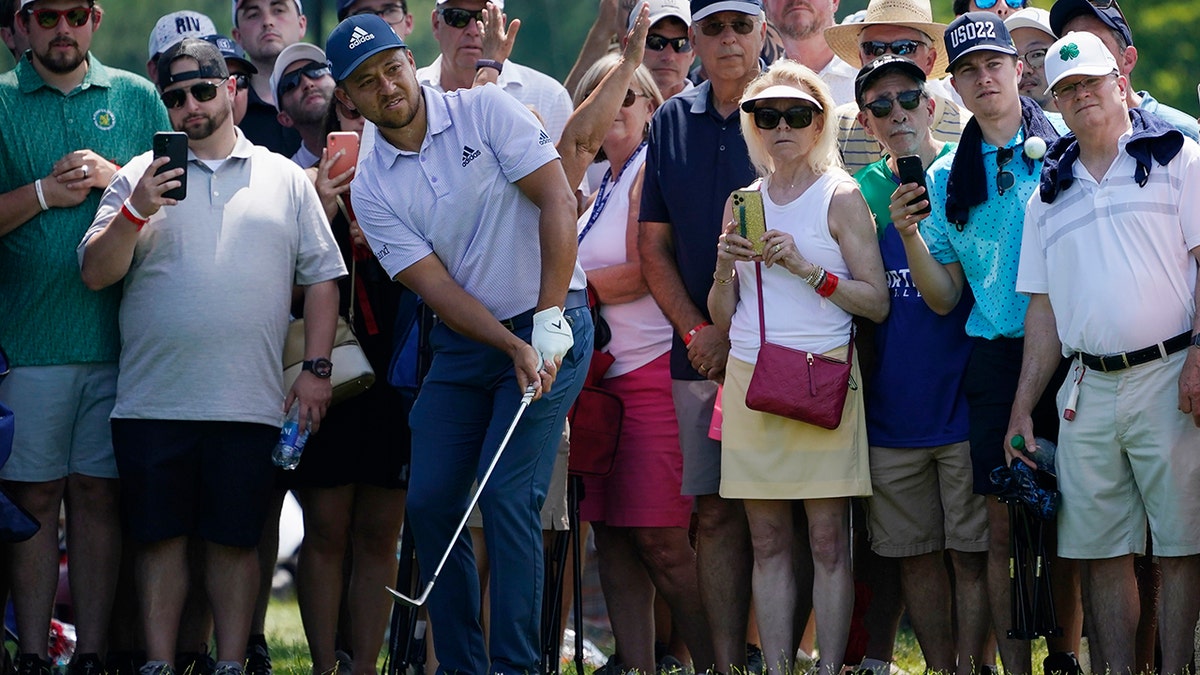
(173,144)
(911,171)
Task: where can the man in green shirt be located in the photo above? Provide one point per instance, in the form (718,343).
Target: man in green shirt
(66,123)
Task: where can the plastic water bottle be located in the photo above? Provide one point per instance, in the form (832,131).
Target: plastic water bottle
(291,440)
(1042,453)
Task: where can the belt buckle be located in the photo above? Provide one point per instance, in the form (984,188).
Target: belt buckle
(509,325)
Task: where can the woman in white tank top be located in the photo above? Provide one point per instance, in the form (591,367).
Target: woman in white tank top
(819,230)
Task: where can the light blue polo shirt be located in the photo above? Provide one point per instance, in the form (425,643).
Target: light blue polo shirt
(989,245)
(457,197)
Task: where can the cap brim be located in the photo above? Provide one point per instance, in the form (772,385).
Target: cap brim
(727,6)
(779,91)
(250,67)
(843,39)
(1011,51)
(655,18)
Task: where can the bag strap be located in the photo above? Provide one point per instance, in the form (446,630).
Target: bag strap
(762,317)
(341,203)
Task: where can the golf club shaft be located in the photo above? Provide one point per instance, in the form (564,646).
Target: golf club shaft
(526,399)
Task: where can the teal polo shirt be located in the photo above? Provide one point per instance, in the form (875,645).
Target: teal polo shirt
(47,315)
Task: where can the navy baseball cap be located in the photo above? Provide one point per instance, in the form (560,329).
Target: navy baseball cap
(703,8)
(355,40)
(232,51)
(1065,10)
(882,66)
(977,31)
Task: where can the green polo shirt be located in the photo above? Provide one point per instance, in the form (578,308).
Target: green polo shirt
(47,315)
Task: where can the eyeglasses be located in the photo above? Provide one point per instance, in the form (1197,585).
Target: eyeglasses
(49,18)
(1034,58)
(457,17)
(899,47)
(242,80)
(389,13)
(657,43)
(988,4)
(631,97)
(882,107)
(1088,84)
(715,28)
(201,91)
(796,118)
(290,81)
(1005,180)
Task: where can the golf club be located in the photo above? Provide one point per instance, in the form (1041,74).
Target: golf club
(420,599)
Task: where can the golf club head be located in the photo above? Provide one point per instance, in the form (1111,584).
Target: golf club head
(413,602)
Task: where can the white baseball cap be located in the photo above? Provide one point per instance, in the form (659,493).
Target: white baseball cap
(1030,17)
(1077,54)
(661,9)
(173,27)
(300,51)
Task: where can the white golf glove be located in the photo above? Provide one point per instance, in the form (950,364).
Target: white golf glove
(552,336)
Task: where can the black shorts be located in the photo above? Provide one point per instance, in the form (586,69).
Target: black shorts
(991,385)
(186,478)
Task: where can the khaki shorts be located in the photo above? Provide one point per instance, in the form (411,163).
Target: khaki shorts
(923,501)
(1129,457)
(554,512)
(694,401)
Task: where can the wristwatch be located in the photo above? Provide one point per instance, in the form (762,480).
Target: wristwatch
(321,367)
(489,63)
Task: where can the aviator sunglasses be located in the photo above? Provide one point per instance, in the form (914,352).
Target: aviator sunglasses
(898,47)
(715,28)
(313,71)
(201,91)
(48,18)
(882,107)
(797,118)
(456,17)
(657,43)
(1005,180)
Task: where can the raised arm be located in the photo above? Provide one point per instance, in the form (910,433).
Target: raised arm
(940,285)
(596,43)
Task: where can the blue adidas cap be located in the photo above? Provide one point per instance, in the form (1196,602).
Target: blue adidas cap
(355,40)
(977,31)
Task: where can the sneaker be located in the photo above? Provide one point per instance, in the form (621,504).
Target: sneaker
(755,665)
(258,657)
(32,664)
(345,662)
(1061,663)
(229,670)
(159,668)
(195,663)
(85,664)
(669,665)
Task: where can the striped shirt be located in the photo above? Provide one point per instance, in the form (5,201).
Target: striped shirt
(860,150)
(49,316)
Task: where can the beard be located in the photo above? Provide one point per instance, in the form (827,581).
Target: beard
(200,131)
(61,62)
(310,114)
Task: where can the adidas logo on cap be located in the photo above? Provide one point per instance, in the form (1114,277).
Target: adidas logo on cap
(360,36)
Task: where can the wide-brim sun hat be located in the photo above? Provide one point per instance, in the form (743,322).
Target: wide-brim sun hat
(779,91)
(844,39)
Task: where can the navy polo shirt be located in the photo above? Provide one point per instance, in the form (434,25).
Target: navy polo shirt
(261,127)
(694,159)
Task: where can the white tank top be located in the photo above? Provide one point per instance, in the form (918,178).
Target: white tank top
(795,315)
(640,331)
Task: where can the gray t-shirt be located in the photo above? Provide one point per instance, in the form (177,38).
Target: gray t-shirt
(207,296)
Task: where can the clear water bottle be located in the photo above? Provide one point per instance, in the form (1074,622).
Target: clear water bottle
(1043,451)
(291,440)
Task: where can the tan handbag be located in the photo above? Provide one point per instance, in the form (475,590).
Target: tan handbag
(352,372)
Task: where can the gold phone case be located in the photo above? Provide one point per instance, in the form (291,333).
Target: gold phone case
(748,211)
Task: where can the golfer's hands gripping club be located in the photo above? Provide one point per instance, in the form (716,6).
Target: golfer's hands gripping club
(551,340)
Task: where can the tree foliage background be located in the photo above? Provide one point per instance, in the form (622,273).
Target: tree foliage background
(553,30)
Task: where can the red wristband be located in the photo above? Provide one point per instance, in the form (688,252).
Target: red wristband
(687,339)
(827,288)
(140,222)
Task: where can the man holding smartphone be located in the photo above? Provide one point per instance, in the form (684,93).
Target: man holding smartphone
(922,505)
(200,398)
(62,339)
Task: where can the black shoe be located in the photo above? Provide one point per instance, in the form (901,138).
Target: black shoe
(755,665)
(258,657)
(85,664)
(1061,663)
(32,664)
(194,663)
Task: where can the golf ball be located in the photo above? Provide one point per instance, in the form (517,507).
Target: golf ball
(1035,148)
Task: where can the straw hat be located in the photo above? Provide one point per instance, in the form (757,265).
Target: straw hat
(915,14)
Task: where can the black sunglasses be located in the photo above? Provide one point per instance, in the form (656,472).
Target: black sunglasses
(899,47)
(457,17)
(201,91)
(796,118)
(715,28)
(290,81)
(882,107)
(657,43)
(1005,180)
(631,97)
(48,18)
(242,80)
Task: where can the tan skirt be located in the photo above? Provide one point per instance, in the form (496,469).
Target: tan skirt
(765,456)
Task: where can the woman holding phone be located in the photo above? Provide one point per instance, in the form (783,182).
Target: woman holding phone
(820,266)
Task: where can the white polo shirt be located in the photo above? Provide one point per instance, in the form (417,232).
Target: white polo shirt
(457,197)
(1114,257)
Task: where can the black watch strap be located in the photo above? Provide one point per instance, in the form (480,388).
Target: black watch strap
(321,367)
(490,63)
